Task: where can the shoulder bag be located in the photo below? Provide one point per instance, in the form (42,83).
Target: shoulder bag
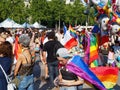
(10,85)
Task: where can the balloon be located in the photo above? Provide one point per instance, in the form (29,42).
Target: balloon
(115,28)
(103,21)
(114,17)
(96,2)
(110,8)
(118,20)
(118,58)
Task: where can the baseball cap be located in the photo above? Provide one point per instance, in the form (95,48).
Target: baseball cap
(63,52)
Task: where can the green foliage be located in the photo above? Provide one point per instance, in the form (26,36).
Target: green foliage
(47,13)
(12,9)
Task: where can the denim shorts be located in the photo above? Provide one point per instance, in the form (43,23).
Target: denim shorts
(26,83)
(68,88)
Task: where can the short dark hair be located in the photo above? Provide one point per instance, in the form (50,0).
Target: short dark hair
(51,35)
(116,41)
(2,29)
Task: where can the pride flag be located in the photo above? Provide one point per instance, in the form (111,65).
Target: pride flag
(93,49)
(72,32)
(107,75)
(86,48)
(91,52)
(78,67)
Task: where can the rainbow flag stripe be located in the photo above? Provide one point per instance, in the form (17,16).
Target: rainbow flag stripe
(107,75)
(93,49)
(78,67)
(72,32)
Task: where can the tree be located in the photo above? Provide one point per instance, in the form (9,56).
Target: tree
(38,10)
(56,9)
(50,14)
(12,9)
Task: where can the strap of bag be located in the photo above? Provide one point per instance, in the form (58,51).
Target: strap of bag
(7,78)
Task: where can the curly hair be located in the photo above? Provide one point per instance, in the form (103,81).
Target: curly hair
(24,40)
(6,49)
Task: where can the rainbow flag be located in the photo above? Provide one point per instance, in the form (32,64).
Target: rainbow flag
(94,63)
(72,32)
(93,49)
(107,75)
(78,67)
(86,48)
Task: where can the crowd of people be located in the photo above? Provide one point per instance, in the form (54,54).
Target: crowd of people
(33,46)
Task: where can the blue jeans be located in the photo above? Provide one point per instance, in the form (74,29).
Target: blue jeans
(68,88)
(105,59)
(53,71)
(80,87)
(26,83)
(36,70)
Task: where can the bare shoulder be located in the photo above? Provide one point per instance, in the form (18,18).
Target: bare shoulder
(20,57)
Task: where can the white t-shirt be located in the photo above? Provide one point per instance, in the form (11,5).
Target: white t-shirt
(10,39)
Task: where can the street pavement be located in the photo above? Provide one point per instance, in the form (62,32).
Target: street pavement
(42,84)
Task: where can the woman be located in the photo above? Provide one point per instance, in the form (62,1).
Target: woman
(35,51)
(66,79)
(6,57)
(23,68)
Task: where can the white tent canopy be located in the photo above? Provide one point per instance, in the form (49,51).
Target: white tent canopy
(16,25)
(9,23)
(26,25)
(37,25)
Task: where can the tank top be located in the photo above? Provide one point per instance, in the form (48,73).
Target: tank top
(25,69)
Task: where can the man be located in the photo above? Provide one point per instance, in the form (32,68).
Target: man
(49,50)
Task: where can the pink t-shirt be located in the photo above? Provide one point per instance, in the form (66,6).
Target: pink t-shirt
(111,55)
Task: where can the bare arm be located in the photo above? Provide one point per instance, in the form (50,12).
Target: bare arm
(17,66)
(44,53)
(32,39)
(78,82)
(58,79)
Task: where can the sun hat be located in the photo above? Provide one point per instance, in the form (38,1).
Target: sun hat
(63,52)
